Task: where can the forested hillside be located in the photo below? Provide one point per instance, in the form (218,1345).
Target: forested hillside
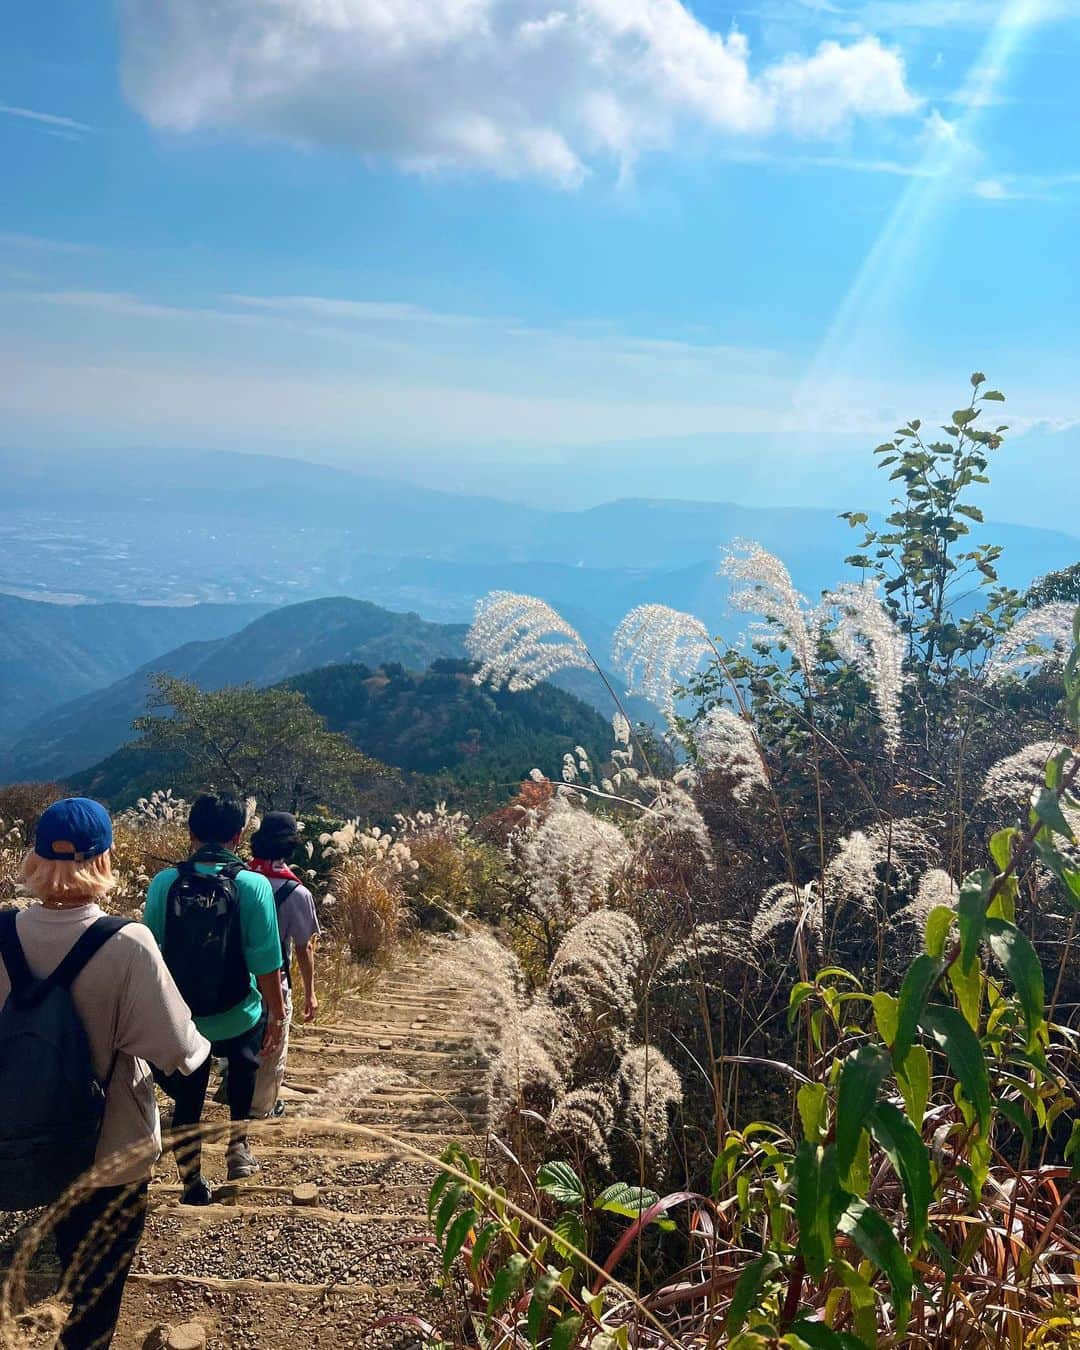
(285,643)
(53,653)
(451,739)
(274,647)
(439,720)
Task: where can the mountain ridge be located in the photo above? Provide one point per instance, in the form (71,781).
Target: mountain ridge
(51,654)
(294,641)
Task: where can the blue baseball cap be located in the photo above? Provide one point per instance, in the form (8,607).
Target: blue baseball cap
(73,830)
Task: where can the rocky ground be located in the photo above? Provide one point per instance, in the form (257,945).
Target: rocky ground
(328,1244)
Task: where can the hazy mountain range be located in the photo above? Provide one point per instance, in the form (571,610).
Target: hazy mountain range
(199,545)
(292,641)
(213,527)
(50,654)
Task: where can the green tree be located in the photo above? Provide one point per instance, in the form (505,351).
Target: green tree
(263,743)
(921,559)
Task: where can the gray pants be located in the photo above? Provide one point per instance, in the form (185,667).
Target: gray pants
(271,1072)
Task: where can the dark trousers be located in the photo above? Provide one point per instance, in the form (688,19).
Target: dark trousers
(189,1094)
(96,1241)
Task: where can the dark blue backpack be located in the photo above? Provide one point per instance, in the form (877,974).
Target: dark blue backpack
(204,939)
(53,1102)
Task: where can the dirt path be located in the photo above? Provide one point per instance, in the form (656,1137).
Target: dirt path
(260,1269)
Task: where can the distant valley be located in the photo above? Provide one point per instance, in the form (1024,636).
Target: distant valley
(253,529)
(237,556)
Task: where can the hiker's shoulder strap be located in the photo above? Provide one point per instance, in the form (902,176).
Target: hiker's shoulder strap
(283,892)
(19,973)
(95,937)
(233,870)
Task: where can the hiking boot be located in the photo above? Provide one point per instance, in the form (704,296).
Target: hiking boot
(279,1110)
(240,1161)
(197,1192)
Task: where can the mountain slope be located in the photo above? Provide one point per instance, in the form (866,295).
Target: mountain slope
(269,650)
(51,654)
(439,720)
(449,736)
(287,642)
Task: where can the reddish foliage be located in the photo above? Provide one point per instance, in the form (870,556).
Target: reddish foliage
(532,795)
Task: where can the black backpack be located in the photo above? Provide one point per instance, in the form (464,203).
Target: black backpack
(53,1102)
(280,896)
(204,942)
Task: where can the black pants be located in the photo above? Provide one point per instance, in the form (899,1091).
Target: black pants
(96,1241)
(189,1093)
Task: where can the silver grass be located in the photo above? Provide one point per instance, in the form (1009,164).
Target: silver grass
(783,912)
(726,741)
(711,952)
(651,1089)
(868,639)
(674,817)
(761,584)
(349,1089)
(520,640)
(587,1115)
(1012,778)
(524,1070)
(158,807)
(936,888)
(570,859)
(593,974)
(1032,640)
(883,859)
(851,875)
(656,648)
(553,1029)
(620,729)
(529,1048)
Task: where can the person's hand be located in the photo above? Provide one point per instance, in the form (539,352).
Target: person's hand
(271,1041)
(311,1006)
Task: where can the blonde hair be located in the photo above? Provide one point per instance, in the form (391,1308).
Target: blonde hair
(53,879)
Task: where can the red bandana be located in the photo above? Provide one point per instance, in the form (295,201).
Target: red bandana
(275,871)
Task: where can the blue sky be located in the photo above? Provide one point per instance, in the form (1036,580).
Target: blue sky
(565,249)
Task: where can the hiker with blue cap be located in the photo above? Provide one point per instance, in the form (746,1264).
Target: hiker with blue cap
(86,1007)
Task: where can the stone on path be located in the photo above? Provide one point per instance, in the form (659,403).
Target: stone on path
(187,1336)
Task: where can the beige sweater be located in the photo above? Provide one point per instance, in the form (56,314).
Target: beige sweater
(132,1011)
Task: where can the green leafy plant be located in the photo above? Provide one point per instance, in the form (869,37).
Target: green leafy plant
(920,557)
(529,1284)
(923,1198)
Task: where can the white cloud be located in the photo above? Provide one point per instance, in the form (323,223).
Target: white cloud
(991,190)
(518,88)
(40,242)
(817,96)
(962,14)
(939,129)
(48,121)
(1025,187)
(360,311)
(254,309)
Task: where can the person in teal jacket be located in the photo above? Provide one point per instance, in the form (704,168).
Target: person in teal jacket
(254,1025)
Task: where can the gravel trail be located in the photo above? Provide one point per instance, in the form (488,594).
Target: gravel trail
(263,1267)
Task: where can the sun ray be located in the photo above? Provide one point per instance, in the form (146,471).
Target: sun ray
(860,324)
